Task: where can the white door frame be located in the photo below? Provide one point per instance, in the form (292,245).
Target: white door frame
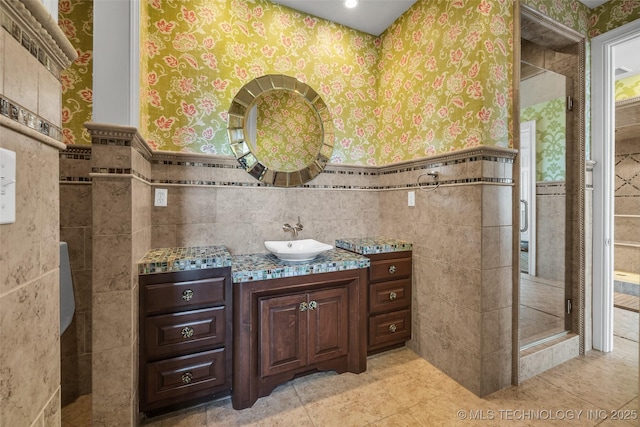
(603,153)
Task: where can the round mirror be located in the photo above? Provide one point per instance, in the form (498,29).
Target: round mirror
(280,130)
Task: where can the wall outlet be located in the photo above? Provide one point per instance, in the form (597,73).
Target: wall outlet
(411,198)
(161,196)
(7,186)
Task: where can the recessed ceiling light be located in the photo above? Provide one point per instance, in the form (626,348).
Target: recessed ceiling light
(350,3)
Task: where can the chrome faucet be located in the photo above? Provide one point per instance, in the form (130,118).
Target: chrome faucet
(294,229)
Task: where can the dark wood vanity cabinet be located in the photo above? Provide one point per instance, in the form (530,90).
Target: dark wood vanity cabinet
(303,329)
(295,325)
(185,337)
(389,296)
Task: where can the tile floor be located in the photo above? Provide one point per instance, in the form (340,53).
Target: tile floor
(401,389)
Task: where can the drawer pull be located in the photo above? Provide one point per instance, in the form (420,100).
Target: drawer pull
(392,269)
(303,306)
(392,328)
(187,295)
(392,296)
(187,332)
(313,305)
(187,377)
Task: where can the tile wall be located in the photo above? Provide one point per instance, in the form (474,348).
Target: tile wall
(121,203)
(627,190)
(76,229)
(30,94)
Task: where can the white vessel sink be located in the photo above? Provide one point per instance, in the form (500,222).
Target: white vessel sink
(296,250)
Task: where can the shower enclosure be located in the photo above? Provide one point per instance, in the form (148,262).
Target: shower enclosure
(545,296)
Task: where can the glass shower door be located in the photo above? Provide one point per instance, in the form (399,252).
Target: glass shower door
(544,290)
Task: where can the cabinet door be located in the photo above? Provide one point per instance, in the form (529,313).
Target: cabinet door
(283,334)
(328,324)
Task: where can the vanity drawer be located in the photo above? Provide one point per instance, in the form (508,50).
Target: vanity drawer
(168,297)
(185,376)
(187,331)
(390,328)
(389,269)
(389,296)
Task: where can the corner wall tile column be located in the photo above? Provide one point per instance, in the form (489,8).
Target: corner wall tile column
(462,286)
(121,196)
(32,53)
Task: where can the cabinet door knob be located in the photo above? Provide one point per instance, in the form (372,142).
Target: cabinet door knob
(187,294)
(392,328)
(186,377)
(313,305)
(303,306)
(392,269)
(187,332)
(392,296)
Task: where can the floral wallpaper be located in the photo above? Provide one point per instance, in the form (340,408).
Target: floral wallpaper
(446,79)
(628,87)
(75,18)
(454,64)
(200,53)
(571,13)
(285,136)
(613,14)
(551,138)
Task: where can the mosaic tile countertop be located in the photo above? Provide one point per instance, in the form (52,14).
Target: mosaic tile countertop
(166,260)
(373,245)
(247,268)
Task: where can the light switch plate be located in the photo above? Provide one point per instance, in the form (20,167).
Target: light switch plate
(7,186)
(161,196)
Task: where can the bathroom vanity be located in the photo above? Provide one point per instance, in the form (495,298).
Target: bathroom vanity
(185,326)
(294,318)
(388,291)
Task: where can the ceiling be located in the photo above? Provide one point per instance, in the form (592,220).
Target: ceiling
(370,16)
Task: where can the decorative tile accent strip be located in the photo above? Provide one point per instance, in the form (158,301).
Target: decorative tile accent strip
(165,260)
(30,44)
(248,268)
(373,245)
(28,118)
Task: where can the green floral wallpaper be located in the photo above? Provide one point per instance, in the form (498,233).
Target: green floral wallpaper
(551,138)
(445,79)
(75,18)
(613,14)
(201,52)
(628,87)
(571,13)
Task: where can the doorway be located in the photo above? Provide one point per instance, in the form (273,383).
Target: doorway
(603,153)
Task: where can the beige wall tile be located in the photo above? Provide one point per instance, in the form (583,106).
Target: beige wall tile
(496,205)
(52,412)
(163,236)
(496,371)
(30,351)
(111,156)
(49,97)
(20,75)
(141,205)
(4,60)
(496,331)
(497,288)
(112,320)
(75,205)
(111,206)
(113,387)
(114,271)
(74,236)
